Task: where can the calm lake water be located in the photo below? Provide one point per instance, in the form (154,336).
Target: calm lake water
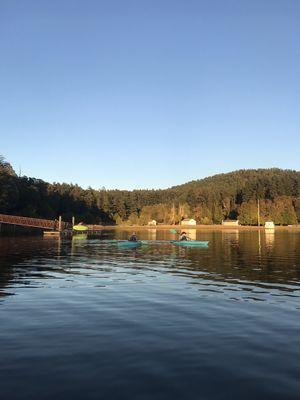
(85,320)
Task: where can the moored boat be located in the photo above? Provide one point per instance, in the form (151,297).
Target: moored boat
(80,228)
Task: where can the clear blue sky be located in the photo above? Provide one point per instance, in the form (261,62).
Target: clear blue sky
(148,93)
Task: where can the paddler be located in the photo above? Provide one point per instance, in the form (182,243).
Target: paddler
(183,236)
(133,237)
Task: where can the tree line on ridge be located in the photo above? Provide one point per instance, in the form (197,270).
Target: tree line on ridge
(232,195)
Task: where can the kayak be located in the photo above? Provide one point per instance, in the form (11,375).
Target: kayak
(120,242)
(130,243)
(190,243)
(81,228)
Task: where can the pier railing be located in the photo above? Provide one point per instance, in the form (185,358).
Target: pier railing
(33,222)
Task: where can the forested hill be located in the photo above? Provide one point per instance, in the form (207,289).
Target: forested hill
(244,185)
(209,200)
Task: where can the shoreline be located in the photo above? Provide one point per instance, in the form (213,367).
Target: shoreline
(196,227)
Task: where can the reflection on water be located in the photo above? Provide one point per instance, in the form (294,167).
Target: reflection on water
(270,237)
(230,235)
(84,319)
(152,234)
(253,258)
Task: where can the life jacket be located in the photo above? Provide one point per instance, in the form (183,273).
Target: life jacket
(133,238)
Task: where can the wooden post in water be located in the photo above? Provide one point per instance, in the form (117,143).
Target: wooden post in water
(73,221)
(59,223)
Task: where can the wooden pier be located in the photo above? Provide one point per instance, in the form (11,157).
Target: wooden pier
(54,227)
(51,228)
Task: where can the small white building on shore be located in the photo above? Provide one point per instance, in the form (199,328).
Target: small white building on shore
(152,223)
(231,222)
(269,225)
(188,222)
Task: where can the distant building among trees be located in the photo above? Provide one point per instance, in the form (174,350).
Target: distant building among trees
(188,221)
(269,225)
(230,222)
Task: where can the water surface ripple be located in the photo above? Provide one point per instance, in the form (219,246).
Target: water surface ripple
(81,319)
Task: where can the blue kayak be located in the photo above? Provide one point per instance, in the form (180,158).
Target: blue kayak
(129,243)
(190,243)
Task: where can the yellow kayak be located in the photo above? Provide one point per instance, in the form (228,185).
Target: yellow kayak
(81,228)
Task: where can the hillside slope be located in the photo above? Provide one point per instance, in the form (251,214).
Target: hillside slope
(209,200)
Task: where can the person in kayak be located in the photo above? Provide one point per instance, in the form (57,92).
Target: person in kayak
(133,237)
(183,236)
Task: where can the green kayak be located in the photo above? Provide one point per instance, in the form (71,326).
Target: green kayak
(190,243)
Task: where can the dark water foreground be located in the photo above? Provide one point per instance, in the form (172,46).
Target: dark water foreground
(81,320)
